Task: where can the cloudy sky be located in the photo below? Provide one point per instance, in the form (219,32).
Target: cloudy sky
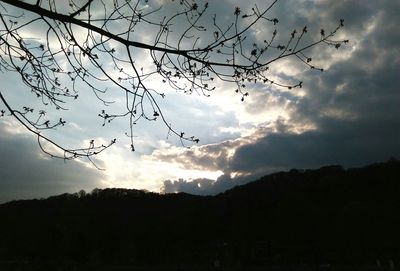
(348,115)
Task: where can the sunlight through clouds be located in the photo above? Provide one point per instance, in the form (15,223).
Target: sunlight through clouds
(347,115)
(144,172)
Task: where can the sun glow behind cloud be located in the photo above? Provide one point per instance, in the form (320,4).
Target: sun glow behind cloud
(346,115)
(264,106)
(127,170)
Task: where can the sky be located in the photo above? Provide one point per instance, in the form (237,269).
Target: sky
(348,115)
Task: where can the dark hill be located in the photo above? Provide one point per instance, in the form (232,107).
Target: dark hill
(300,218)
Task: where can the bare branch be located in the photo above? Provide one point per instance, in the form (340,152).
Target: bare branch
(96,44)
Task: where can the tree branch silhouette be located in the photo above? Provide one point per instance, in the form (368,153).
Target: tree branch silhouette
(95,43)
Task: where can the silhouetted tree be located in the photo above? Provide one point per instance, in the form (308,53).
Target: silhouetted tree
(345,217)
(59,46)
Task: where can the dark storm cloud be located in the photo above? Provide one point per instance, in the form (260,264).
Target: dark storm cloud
(347,143)
(354,106)
(24,174)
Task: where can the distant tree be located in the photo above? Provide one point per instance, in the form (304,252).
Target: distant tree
(94,43)
(81,193)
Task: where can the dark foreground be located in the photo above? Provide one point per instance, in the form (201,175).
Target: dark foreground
(325,219)
(80,267)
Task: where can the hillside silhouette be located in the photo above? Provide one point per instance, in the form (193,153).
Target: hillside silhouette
(304,219)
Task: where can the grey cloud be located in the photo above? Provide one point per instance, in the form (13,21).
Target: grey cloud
(336,142)
(264,99)
(366,127)
(206,157)
(24,174)
(358,17)
(354,106)
(204,187)
(369,79)
(218,156)
(194,187)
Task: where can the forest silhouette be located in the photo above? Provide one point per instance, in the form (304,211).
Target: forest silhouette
(328,218)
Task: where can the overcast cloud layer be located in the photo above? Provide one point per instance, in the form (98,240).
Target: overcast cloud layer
(26,173)
(353,108)
(348,115)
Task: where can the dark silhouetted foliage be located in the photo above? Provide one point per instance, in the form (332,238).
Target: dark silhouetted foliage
(296,218)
